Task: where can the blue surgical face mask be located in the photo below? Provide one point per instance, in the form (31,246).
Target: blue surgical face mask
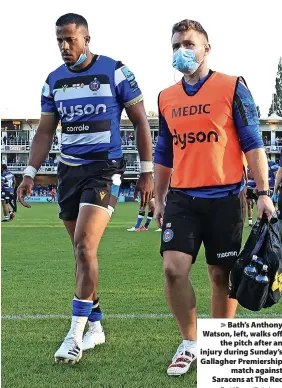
(81,58)
(185,60)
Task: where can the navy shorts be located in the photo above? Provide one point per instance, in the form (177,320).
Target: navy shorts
(216,222)
(7,196)
(96,183)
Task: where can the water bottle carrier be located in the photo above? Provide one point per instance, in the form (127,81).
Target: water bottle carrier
(255,291)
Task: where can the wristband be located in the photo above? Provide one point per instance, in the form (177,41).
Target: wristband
(30,171)
(263,192)
(146,167)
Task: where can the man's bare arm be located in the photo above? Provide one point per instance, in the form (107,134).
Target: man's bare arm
(42,141)
(257,162)
(40,147)
(137,116)
(145,184)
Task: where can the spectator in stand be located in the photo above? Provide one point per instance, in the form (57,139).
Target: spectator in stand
(5,139)
(124,140)
(131,137)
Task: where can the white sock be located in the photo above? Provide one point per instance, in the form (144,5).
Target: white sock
(250,222)
(96,324)
(6,217)
(192,346)
(77,327)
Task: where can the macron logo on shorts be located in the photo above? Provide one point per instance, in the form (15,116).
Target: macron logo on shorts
(227,254)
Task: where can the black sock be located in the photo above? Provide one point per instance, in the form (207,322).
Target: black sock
(149,219)
(96,313)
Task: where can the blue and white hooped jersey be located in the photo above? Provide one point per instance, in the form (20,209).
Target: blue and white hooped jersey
(272,168)
(251,184)
(89,103)
(7,182)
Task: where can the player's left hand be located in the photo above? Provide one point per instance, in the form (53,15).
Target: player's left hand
(265,206)
(144,186)
(24,190)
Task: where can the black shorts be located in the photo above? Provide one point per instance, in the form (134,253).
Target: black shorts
(95,183)
(217,222)
(7,196)
(251,195)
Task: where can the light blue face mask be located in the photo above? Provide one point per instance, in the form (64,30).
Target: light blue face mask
(81,59)
(185,60)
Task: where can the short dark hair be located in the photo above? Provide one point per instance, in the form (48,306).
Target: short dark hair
(71,18)
(186,25)
(4,167)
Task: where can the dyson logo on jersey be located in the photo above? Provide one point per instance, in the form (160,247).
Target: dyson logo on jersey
(68,113)
(192,137)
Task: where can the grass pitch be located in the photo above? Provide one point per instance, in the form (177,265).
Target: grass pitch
(38,278)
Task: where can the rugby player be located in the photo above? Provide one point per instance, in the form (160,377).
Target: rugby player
(251,188)
(272,171)
(141,215)
(53,195)
(88,94)
(8,183)
(207,121)
(277,192)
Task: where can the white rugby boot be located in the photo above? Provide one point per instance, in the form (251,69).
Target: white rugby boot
(131,229)
(94,336)
(70,352)
(182,360)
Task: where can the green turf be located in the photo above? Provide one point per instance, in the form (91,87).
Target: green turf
(38,278)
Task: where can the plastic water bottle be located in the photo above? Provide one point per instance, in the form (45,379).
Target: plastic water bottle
(259,260)
(259,263)
(251,269)
(262,276)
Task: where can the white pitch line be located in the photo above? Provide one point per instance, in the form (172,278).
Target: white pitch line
(127,316)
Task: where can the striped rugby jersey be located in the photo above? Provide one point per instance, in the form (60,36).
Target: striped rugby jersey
(89,103)
(7,181)
(272,168)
